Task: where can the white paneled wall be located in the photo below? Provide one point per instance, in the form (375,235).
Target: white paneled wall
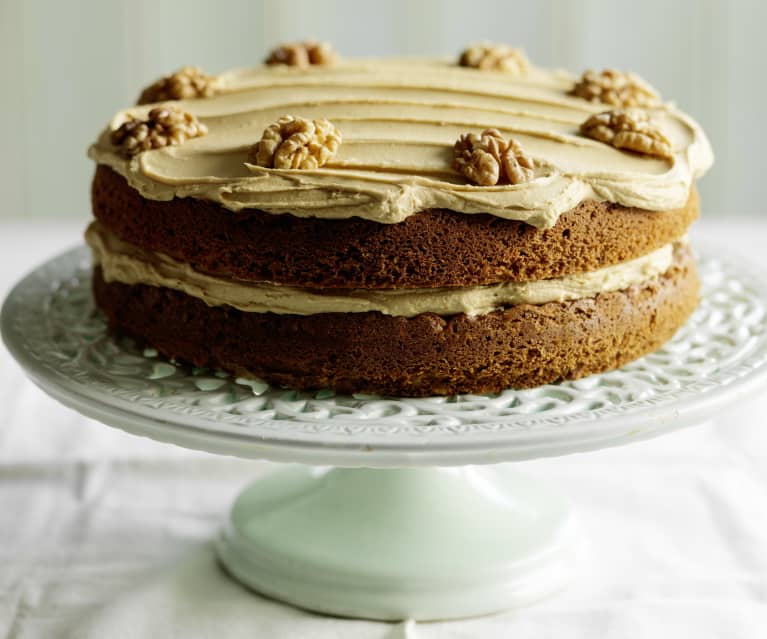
(66,65)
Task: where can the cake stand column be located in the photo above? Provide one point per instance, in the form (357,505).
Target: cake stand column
(418,543)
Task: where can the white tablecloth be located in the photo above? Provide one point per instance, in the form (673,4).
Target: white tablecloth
(107,535)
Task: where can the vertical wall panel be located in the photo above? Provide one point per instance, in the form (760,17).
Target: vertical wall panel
(13,153)
(711,68)
(746,93)
(70,70)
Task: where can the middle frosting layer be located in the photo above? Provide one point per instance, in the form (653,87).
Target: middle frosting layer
(128,264)
(399,120)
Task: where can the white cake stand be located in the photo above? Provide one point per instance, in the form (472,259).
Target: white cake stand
(395,530)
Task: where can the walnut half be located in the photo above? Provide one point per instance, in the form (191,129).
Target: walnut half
(302,54)
(616,88)
(489,158)
(495,57)
(185,83)
(629,129)
(164,126)
(296,143)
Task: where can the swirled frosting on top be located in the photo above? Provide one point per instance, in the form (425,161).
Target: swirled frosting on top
(399,120)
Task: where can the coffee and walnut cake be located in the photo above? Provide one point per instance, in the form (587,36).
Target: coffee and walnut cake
(405,227)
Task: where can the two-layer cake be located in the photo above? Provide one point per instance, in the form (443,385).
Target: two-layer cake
(407,227)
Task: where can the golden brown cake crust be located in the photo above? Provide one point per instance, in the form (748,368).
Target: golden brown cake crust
(434,248)
(522,346)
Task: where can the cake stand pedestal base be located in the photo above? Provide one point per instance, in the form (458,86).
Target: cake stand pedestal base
(419,543)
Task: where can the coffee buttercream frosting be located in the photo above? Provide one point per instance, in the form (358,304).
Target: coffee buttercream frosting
(128,264)
(399,120)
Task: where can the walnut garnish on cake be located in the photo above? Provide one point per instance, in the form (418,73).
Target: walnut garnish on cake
(296,143)
(616,88)
(629,129)
(488,159)
(188,82)
(164,126)
(495,57)
(302,54)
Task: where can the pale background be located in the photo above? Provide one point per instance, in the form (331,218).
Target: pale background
(66,66)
